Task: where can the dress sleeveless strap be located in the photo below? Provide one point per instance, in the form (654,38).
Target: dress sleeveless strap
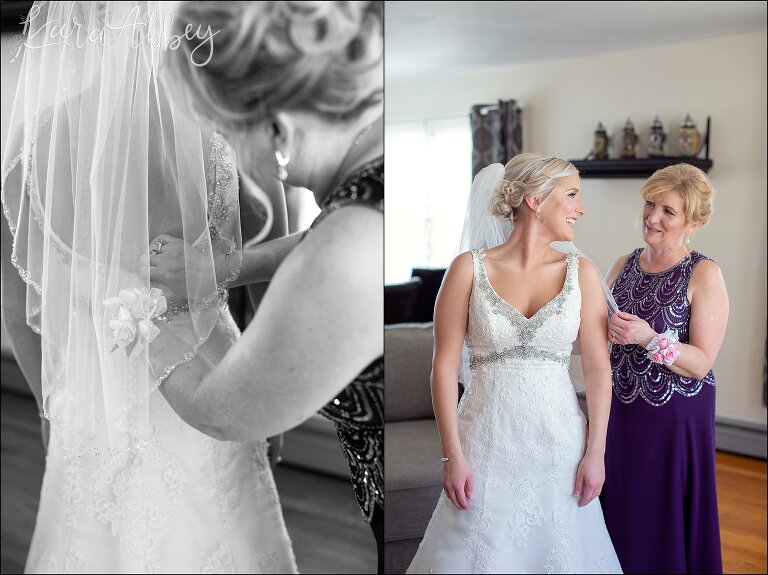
(363,188)
(476,265)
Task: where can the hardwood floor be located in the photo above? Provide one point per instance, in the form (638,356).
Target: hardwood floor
(323,520)
(741,494)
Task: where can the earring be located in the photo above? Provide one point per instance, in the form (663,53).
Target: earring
(282,162)
(538,215)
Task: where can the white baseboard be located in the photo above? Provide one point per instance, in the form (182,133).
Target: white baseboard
(732,435)
(314,445)
(744,438)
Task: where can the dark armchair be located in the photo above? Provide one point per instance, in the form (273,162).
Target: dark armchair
(400,301)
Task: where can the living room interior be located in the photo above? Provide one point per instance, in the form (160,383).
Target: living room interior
(568,67)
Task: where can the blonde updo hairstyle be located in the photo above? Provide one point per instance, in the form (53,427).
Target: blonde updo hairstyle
(325,57)
(528,175)
(691,183)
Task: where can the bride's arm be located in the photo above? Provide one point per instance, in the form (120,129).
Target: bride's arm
(24,342)
(318,326)
(595,363)
(450,324)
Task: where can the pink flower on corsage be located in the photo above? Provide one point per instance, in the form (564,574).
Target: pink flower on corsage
(664,348)
(671,353)
(132,312)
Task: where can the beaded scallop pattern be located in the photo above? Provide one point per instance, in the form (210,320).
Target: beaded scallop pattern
(661,299)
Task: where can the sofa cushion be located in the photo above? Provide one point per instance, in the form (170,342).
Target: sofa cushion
(412,453)
(399,554)
(412,477)
(407,370)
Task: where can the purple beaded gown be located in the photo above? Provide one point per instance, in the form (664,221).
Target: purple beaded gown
(659,498)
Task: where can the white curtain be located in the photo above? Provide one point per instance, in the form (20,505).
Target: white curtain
(429,172)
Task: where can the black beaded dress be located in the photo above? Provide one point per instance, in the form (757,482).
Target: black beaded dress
(358,411)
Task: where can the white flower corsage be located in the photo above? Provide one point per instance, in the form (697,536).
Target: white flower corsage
(132,312)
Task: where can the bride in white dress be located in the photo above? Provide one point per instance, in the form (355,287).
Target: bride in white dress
(521,472)
(101,157)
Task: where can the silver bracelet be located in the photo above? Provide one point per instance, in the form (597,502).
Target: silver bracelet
(447,459)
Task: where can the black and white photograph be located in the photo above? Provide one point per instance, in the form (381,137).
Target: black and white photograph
(192,287)
(575,287)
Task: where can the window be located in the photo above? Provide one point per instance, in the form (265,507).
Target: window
(429,173)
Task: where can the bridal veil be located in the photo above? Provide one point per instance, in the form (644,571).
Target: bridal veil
(103,154)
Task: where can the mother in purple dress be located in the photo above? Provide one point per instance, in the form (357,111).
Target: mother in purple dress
(659,497)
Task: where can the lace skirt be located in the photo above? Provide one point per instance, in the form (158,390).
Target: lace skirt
(524,435)
(184,503)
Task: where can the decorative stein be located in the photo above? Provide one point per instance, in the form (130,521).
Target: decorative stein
(600,149)
(656,138)
(689,139)
(628,140)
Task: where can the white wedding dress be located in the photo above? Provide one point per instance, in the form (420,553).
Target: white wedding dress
(186,503)
(181,503)
(524,435)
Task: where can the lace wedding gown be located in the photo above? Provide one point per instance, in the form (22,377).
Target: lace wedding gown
(524,435)
(186,503)
(183,502)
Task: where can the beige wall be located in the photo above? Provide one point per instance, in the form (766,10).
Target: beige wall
(562,102)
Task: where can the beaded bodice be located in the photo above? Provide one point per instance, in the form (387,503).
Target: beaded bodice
(496,330)
(358,411)
(661,299)
(363,188)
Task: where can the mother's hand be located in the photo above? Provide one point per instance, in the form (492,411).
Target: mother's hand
(167,265)
(627,329)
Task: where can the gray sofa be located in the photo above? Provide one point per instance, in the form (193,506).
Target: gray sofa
(412,450)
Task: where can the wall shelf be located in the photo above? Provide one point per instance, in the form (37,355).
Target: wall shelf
(633,168)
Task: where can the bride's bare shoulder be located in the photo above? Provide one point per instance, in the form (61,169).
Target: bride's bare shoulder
(458,276)
(589,275)
(461,265)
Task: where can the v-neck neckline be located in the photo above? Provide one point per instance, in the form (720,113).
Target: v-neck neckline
(513,308)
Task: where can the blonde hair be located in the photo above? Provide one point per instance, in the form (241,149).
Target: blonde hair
(325,57)
(528,175)
(691,183)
